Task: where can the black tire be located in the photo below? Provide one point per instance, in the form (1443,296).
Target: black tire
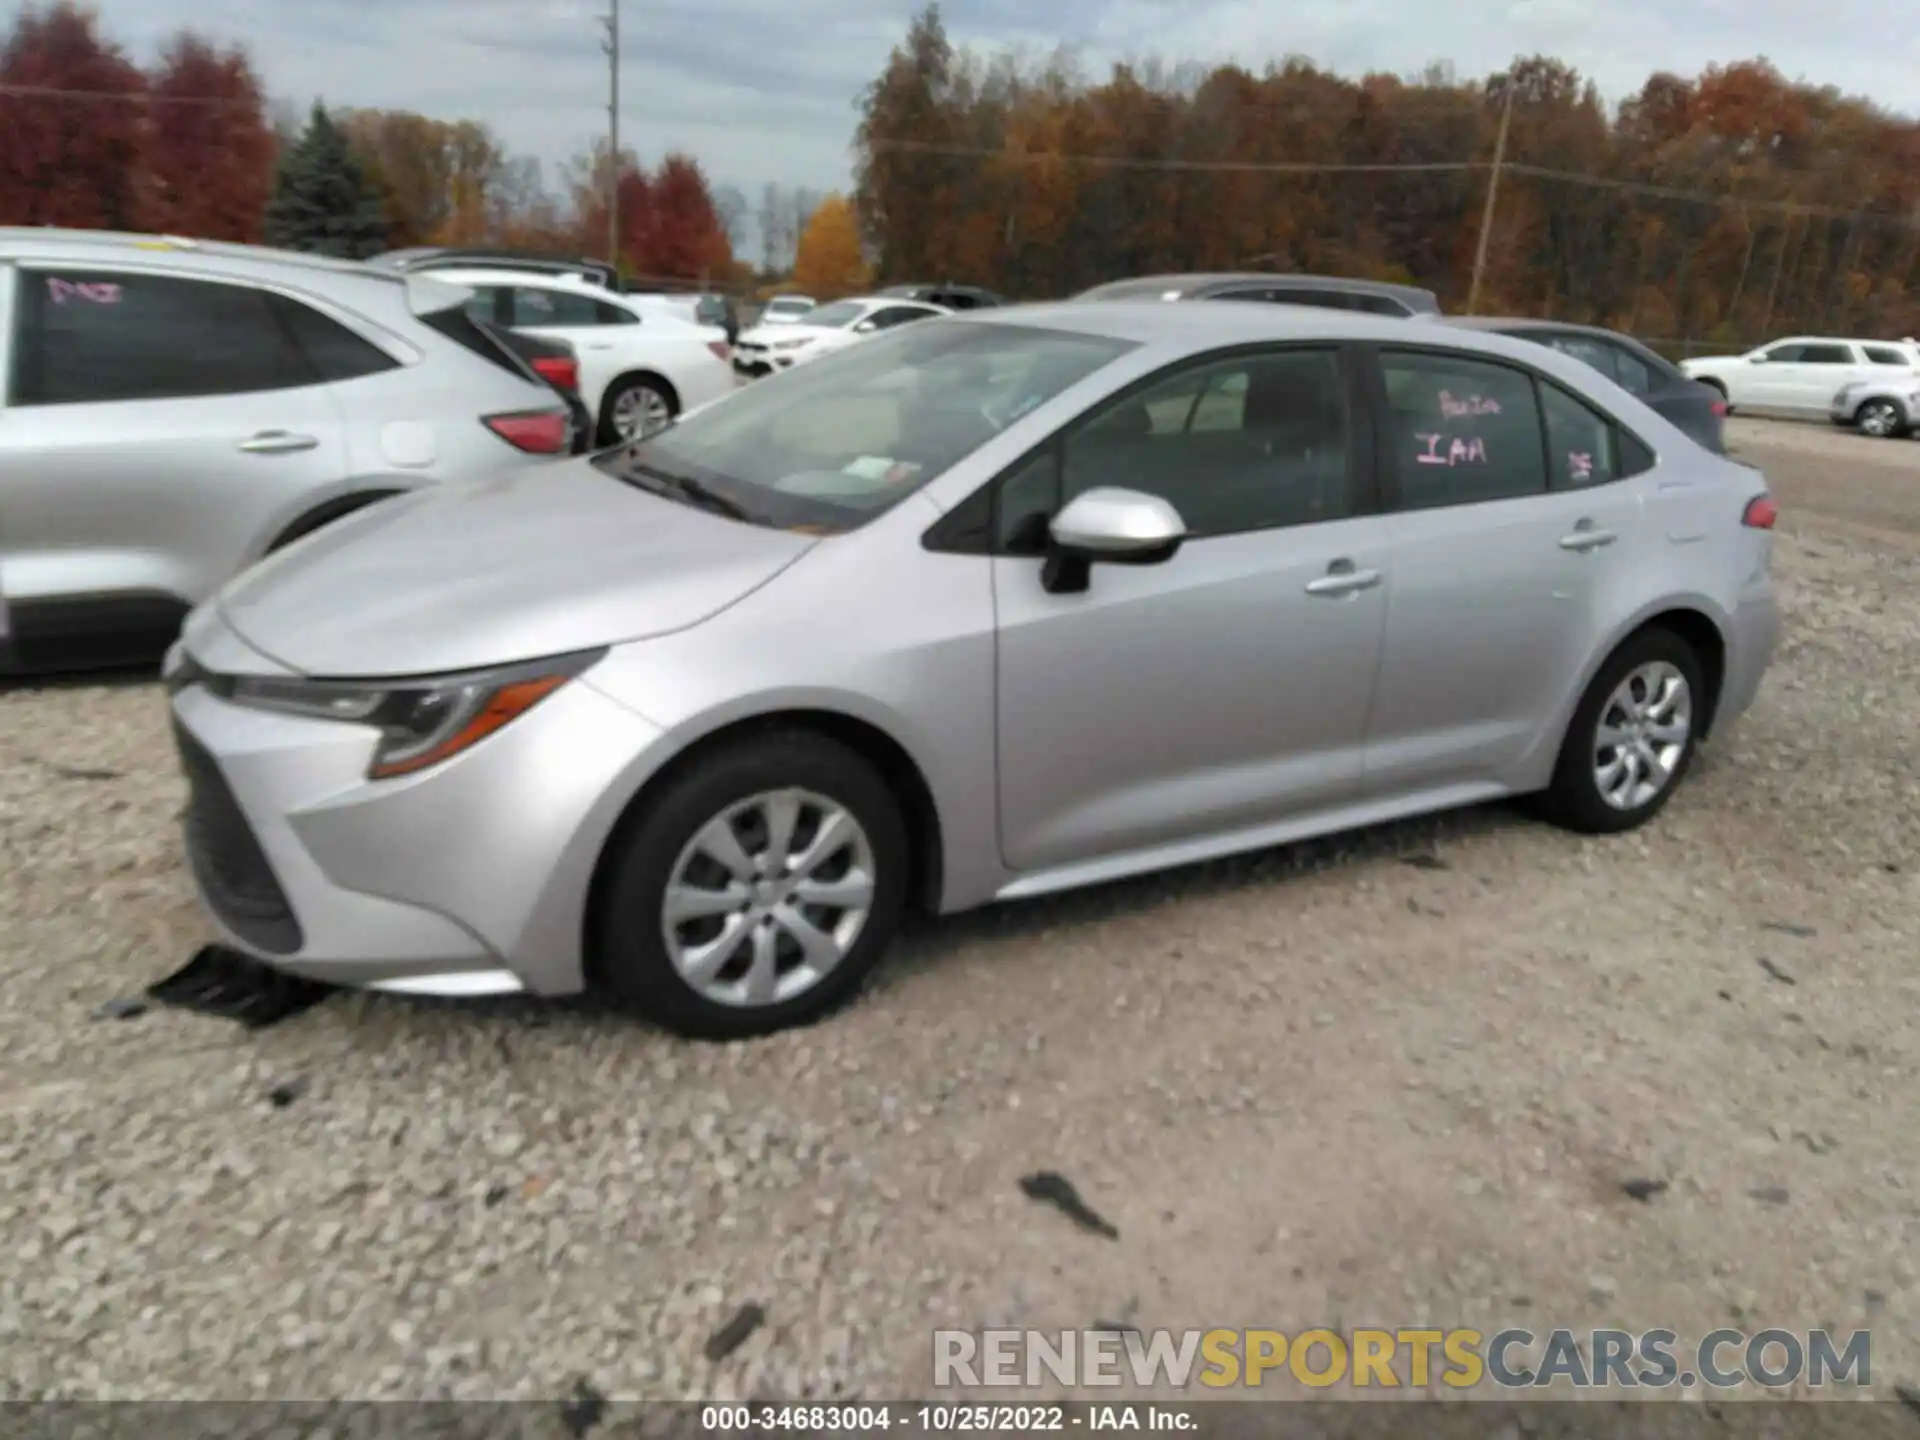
(630,962)
(1574,800)
(619,390)
(1895,419)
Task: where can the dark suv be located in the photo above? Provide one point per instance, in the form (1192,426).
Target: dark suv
(1372,297)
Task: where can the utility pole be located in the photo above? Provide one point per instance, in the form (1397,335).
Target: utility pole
(611,21)
(1493,191)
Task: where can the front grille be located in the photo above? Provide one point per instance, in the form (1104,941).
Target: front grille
(226,859)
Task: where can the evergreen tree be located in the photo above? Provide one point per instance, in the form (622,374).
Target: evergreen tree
(323,200)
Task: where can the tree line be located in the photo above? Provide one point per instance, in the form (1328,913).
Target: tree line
(191,145)
(1725,208)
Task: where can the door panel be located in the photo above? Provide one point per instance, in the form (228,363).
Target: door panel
(1227,686)
(1493,602)
(1174,700)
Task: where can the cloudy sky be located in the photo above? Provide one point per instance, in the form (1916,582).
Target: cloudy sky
(763,90)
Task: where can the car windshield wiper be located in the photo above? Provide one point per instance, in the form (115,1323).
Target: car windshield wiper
(685,487)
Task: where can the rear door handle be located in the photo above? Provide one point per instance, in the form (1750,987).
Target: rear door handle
(1343,581)
(278,442)
(1586,538)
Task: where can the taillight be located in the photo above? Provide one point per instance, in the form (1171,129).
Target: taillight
(1720,408)
(1760,514)
(558,370)
(721,350)
(538,432)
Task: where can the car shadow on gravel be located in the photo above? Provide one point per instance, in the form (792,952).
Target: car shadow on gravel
(118,677)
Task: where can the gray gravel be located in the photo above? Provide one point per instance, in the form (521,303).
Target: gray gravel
(1354,1091)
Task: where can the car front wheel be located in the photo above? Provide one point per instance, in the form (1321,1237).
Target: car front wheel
(1632,738)
(757,891)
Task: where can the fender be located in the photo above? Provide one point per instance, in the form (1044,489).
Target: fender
(318,508)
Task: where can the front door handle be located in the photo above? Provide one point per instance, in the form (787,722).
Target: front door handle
(278,442)
(1585,537)
(1342,579)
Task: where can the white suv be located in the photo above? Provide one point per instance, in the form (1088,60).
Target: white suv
(176,409)
(1803,372)
(640,366)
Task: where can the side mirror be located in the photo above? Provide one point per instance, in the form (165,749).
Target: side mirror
(1119,527)
(1756,358)
(865,327)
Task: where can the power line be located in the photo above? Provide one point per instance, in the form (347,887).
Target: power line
(1150,162)
(125,97)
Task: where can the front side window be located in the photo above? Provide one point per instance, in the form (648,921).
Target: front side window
(1460,431)
(100,336)
(831,444)
(838,315)
(1784,354)
(1256,442)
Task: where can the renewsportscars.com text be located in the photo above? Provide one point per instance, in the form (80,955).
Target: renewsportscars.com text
(1405,1358)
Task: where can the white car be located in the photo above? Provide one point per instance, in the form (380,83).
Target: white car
(1804,372)
(785,309)
(767,348)
(641,365)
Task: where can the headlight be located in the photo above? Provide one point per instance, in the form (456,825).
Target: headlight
(421,722)
(799,344)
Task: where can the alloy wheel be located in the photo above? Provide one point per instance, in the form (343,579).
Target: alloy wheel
(1642,735)
(639,412)
(1879,418)
(768,898)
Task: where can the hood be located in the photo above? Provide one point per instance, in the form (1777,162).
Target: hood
(554,559)
(789,331)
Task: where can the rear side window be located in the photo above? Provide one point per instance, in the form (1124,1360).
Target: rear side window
(533,306)
(1881,355)
(1461,431)
(474,337)
(1579,442)
(1636,377)
(97,336)
(334,352)
(1587,352)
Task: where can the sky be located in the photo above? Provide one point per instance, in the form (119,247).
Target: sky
(763,91)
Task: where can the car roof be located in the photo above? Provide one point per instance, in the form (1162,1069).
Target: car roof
(39,242)
(1150,322)
(1414,296)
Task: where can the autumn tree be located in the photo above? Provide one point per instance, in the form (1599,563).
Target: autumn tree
(322,200)
(683,238)
(72,123)
(828,262)
(209,148)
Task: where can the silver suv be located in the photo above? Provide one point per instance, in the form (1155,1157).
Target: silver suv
(174,410)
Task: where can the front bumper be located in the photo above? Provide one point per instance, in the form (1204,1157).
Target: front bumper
(466,879)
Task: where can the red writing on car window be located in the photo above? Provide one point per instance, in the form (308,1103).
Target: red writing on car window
(100,292)
(1472,450)
(1580,464)
(1472,405)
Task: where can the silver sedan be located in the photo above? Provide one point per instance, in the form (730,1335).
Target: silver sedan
(991,606)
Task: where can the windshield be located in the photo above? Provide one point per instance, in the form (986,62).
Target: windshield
(833,443)
(790,307)
(838,315)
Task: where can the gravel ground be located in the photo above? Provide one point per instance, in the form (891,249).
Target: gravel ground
(1315,1087)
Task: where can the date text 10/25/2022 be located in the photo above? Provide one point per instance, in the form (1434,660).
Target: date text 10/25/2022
(914,1418)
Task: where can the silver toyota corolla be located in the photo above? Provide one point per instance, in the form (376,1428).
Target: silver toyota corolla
(988,607)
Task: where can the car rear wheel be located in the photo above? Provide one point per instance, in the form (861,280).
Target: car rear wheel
(758,891)
(1632,737)
(635,409)
(1882,419)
